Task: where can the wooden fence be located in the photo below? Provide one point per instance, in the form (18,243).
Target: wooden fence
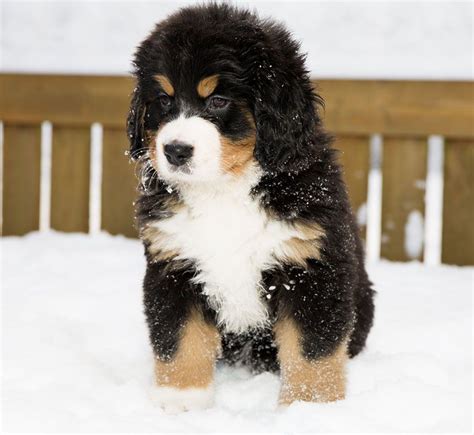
(405,113)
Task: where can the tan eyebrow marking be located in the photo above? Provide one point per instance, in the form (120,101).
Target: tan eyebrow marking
(207,85)
(165,84)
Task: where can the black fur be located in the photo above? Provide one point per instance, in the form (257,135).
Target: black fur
(260,64)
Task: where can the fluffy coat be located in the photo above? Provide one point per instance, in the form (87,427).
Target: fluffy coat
(274,238)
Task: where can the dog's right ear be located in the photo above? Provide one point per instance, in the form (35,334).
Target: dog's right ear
(135,126)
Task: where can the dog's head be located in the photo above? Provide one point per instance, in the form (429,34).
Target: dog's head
(217,89)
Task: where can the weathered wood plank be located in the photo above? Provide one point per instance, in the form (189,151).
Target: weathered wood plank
(399,108)
(118,185)
(21,178)
(355,159)
(458,203)
(353,107)
(65,99)
(70,179)
(403,198)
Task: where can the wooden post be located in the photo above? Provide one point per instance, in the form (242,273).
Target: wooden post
(403,193)
(21,178)
(70,179)
(355,159)
(458,203)
(118,184)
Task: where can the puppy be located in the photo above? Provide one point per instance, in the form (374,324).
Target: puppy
(253,255)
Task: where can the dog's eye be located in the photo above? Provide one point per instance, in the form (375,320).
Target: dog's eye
(165,101)
(218,102)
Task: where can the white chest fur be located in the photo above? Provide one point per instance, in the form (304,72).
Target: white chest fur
(231,240)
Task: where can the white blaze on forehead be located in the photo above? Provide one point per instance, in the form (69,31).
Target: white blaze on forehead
(199,133)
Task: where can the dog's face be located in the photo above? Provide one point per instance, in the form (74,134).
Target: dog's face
(198,126)
(218,89)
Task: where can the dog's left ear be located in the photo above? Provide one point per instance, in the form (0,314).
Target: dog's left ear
(135,125)
(289,130)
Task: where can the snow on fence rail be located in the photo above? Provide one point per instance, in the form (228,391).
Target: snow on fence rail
(382,127)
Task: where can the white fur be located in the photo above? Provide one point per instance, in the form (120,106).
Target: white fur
(175,400)
(232,240)
(203,136)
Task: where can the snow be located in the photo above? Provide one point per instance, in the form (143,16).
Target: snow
(76,356)
(344,39)
(414,232)
(361,215)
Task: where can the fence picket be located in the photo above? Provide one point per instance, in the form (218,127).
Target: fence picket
(355,159)
(118,184)
(458,203)
(70,179)
(21,178)
(403,192)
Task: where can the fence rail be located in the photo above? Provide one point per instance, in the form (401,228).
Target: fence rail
(405,113)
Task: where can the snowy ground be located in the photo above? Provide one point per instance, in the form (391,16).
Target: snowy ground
(76,357)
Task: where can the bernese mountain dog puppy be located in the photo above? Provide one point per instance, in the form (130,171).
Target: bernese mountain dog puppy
(253,254)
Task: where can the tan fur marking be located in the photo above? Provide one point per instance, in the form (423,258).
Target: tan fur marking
(193,364)
(297,250)
(207,85)
(249,117)
(321,380)
(157,239)
(236,155)
(165,84)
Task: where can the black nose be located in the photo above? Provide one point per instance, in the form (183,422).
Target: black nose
(178,153)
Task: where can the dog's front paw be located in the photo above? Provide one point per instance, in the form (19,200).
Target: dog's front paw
(175,400)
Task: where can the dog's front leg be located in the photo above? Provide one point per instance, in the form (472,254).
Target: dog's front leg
(185,344)
(303,378)
(311,332)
